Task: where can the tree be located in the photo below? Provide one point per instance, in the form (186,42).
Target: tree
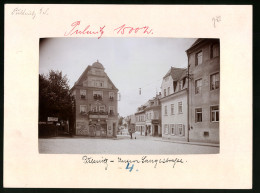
(120,121)
(55,99)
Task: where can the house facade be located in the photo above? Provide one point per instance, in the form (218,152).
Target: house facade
(140,121)
(153,117)
(204,87)
(174,107)
(96,103)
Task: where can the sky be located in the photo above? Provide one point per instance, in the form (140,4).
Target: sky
(131,63)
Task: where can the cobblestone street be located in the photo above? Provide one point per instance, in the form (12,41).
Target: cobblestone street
(141,145)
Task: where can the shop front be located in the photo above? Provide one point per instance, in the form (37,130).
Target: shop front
(98,125)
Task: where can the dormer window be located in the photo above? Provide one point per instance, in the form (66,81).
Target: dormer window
(181,85)
(165,92)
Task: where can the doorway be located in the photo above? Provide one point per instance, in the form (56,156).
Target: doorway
(155,130)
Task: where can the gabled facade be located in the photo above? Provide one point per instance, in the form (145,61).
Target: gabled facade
(174,107)
(96,103)
(204,87)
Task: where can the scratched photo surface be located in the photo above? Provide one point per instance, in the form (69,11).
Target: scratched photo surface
(130,96)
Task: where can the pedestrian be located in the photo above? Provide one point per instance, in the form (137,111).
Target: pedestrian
(130,131)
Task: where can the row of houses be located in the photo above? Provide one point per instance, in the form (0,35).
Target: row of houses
(187,108)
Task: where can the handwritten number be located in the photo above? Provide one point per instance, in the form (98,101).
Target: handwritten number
(130,168)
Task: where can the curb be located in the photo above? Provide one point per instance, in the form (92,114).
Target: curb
(190,143)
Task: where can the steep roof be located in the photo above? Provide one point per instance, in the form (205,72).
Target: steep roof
(94,65)
(176,73)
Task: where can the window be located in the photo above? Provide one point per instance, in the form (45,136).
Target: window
(111,110)
(83,109)
(214,50)
(180,107)
(165,110)
(166,129)
(98,95)
(102,108)
(94,108)
(164,92)
(172,129)
(180,130)
(111,95)
(198,84)
(83,94)
(101,83)
(214,81)
(172,109)
(198,115)
(180,85)
(214,113)
(168,90)
(198,58)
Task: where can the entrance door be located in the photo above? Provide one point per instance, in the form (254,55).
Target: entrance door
(98,130)
(156,130)
(92,130)
(103,130)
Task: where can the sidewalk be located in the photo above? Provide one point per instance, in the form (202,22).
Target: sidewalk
(190,143)
(138,136)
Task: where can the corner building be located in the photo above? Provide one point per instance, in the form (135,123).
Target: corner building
(96,103)
(204,87)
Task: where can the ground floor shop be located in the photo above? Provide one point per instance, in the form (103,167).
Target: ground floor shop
(153,128)
(97,127)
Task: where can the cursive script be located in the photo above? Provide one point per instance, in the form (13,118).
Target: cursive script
(75,29)
(30,13)
(133,163)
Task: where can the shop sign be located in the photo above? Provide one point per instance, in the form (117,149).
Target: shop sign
(155,121)
(98,116)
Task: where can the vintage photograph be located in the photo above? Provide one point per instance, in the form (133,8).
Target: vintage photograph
(129,96)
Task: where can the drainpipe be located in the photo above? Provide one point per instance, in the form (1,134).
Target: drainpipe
(188,101)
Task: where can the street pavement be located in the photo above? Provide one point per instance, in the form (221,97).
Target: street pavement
(139,146)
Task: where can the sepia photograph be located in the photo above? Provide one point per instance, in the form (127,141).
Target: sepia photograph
(129,96)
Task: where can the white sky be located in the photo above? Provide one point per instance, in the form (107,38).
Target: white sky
(131,63)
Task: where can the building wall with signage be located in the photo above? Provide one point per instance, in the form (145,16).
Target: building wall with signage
(96,100)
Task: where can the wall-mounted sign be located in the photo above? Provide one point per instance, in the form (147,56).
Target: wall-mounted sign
(155,121)
(52,118)
(98,116)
